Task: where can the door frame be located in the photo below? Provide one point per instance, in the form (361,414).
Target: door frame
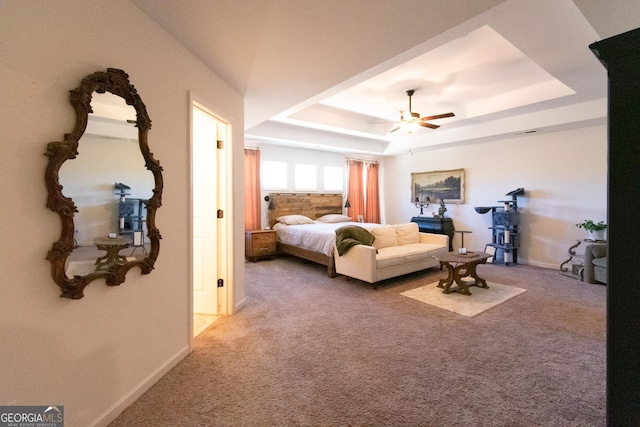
(225,243)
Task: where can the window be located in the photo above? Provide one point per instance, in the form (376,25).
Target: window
(333,178)
(306,177)
(274,175)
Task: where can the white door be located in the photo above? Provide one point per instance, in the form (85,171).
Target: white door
(205,205)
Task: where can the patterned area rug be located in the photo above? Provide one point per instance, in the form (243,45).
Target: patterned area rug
(467,305)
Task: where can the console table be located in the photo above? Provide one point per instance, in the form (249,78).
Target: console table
(435,225)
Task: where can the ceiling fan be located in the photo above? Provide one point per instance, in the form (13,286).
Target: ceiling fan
(410,120)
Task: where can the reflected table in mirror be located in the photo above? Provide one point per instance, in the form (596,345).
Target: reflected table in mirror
(112,246)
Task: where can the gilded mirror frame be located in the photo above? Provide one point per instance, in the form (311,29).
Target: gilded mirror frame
(116,82)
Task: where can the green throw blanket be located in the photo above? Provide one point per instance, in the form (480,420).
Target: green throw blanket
(351,235)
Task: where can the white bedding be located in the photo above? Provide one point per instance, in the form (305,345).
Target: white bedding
(317,237)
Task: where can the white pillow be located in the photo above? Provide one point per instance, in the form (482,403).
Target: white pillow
(407,233)
(385,237)
(334,218)
(294,219)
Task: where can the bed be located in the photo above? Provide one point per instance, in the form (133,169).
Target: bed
(311,240)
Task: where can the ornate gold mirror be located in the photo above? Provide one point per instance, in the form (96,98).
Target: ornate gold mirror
(113,187)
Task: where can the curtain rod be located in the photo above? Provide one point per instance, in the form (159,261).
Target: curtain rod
(362,160)
(246,147)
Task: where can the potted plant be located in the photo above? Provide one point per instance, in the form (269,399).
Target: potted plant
(595,229)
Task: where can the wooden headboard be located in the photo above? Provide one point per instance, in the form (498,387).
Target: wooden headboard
(313,205)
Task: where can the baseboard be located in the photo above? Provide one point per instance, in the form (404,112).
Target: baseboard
(239,305)
(116,409)
(540,264)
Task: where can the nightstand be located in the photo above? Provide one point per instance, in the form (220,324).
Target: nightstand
(259,244)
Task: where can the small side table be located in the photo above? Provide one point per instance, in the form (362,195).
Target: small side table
(112,247)
(259,244)
(460,266)
(576,261)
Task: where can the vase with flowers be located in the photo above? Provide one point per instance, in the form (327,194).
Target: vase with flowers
(595,229)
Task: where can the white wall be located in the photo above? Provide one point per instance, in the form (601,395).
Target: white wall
(96,354)
(564,175)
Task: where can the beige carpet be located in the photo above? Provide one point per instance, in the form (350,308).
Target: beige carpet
(307,350)
(480,300)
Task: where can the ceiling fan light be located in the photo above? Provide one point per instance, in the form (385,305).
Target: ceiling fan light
(409,127)
(411,121)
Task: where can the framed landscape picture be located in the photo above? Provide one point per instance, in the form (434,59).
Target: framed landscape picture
(438,185)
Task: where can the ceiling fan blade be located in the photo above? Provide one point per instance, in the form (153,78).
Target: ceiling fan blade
(429,125)
(438,116)
(394,128)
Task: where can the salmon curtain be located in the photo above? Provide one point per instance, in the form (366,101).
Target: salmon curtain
(252,214)
(372,200)
(355,189)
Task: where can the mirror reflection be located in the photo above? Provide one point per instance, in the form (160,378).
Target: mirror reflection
(115,181)
(109,184)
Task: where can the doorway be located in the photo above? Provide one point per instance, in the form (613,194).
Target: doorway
(209,137)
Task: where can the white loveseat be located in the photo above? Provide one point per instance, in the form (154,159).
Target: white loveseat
(400,248)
